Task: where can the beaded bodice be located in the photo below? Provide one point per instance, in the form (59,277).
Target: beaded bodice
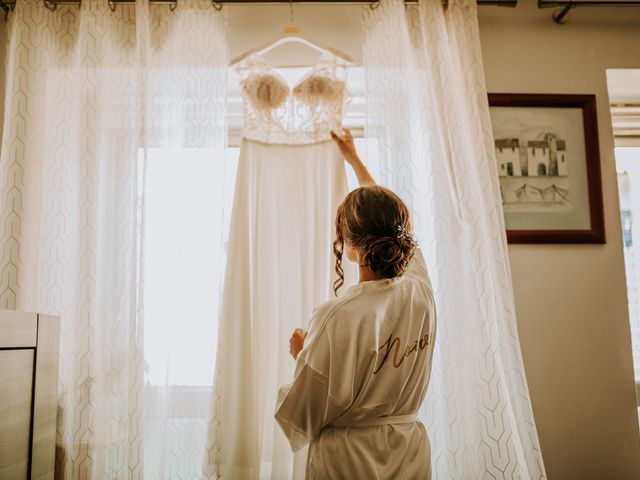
(306,113)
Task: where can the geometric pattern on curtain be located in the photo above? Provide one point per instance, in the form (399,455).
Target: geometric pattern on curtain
(427,106)
(88,92)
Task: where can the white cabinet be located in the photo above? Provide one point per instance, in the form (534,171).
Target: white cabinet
(28,394)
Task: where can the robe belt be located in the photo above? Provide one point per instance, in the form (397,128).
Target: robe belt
(371,422)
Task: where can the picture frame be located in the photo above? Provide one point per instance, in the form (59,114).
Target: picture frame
(548,159)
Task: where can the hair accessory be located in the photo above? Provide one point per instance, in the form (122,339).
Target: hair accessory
(402,233)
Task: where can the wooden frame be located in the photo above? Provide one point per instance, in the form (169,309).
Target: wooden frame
(587,103)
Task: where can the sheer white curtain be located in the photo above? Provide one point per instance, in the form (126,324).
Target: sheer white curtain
(427,106)
(91,96)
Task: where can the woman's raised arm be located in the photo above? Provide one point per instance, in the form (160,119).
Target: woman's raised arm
(348,149)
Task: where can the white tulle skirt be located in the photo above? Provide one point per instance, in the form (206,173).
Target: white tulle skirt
(280,265)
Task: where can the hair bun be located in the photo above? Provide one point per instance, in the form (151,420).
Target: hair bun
(389,256)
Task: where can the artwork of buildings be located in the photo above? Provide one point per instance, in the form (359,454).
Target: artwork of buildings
(538,158)
(508,156)
(533,172)
(546,157)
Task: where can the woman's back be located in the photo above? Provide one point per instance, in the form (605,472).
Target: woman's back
(369,354)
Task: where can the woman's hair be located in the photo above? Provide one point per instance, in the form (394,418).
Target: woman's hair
(376,222)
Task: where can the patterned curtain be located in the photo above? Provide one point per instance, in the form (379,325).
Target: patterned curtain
(427,106)
(90,91)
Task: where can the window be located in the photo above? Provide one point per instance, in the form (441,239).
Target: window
(187,208)
(628,167)
(188,196)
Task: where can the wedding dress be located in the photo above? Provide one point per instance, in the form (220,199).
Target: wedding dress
(290,180)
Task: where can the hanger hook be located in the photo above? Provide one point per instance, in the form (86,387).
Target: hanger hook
(173,6)
(374,5)
(217,6)
(290,11)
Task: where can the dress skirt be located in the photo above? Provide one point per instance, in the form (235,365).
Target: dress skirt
(280,265)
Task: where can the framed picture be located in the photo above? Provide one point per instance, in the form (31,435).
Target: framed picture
(549,166)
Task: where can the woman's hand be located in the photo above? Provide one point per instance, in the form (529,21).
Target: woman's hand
(348,149)
(346,146)
(296,342)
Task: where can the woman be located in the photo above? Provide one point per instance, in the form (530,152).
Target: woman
(363,369)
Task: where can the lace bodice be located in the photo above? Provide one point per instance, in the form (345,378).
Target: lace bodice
(304,114)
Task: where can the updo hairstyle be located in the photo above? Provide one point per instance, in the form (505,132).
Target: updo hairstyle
(376,222)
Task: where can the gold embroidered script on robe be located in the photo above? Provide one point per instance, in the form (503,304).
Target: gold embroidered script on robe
(393,344)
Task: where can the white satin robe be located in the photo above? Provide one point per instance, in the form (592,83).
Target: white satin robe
(363,372)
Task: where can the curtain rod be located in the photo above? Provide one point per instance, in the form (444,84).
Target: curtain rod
(567,5)
(500,3)
(9,5)
(564,5)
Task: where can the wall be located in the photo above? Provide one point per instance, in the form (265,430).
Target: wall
(570,300)
(334,25)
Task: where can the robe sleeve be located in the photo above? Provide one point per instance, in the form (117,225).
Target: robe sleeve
(307,405)
(418,267)
(305,408)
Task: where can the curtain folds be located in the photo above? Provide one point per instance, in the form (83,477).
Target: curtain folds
(427,106)
(89,92)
